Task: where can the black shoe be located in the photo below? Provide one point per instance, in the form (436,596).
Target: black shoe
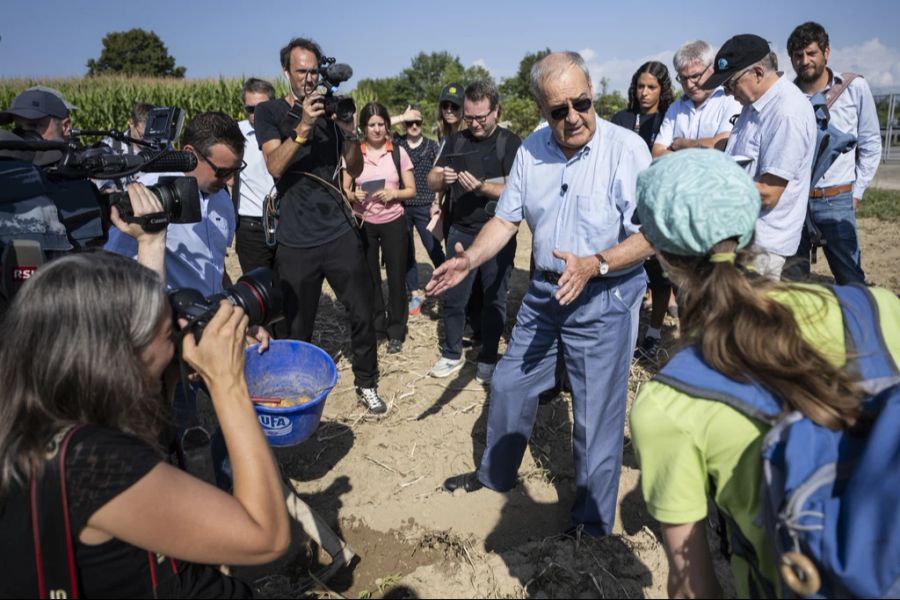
(648,350)
(466,481)
(394,346)
(369,398)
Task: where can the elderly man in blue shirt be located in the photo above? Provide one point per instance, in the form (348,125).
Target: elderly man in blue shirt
(574,184)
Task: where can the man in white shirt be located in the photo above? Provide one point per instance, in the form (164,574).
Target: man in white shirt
(255,183)
(834,198)
(701,117)
(776,131)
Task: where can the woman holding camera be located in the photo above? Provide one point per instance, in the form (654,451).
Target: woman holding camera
(85,344)
(378,200)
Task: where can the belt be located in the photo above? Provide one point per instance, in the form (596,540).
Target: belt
(828,192)
(548,276)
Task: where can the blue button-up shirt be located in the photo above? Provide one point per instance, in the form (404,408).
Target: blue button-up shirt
(583,204)
(195,252)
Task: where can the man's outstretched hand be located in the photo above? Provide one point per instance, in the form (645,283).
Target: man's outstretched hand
(449,274)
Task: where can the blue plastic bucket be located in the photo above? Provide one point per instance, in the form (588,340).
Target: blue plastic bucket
(288,369)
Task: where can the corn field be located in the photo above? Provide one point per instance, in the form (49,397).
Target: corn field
(105,102)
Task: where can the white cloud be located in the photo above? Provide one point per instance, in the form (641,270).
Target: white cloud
(618,71)
(480,62)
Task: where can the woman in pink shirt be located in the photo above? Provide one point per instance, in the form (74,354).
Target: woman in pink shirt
(378,196)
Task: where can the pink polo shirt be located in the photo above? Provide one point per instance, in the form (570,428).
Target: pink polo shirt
(378,164)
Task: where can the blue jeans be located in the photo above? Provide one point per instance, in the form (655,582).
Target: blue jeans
(836,219)
(597,333)
(495,273)
(417,217)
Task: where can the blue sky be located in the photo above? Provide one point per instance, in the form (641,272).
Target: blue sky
(378,38)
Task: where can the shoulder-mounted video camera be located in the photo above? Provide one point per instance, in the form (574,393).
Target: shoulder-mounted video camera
(49,205)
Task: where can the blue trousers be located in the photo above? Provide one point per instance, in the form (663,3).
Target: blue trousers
(597,333)
(836,219)
(495,273)
(417,217)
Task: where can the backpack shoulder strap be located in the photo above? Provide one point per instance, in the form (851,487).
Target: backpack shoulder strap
(867,352)
(837,89)
(689,373)
(395,154)
(501,146)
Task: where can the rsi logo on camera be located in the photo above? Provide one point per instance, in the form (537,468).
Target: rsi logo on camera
(276,425)
(20,273)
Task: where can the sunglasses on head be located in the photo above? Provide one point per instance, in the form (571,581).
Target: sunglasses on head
(558,113)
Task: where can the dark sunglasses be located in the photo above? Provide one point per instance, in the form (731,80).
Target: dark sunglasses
(446,105)
(414,123)
(249,109)
(222,172)
(581,105)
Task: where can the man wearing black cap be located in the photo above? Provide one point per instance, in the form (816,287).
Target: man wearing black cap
(41,111)
(776,130)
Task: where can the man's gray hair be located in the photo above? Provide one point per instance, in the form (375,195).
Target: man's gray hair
(258,86)
(770,62)
(553,64)
(697,51)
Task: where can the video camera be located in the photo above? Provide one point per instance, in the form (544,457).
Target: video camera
(331,75)
(49,205)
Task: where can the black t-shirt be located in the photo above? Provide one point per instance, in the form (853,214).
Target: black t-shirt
(649,124)
(422,157)
(100,465)
(312,214)
(463,152)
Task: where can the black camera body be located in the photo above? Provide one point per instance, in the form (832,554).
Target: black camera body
(163,126)
(331,75)
(255,292)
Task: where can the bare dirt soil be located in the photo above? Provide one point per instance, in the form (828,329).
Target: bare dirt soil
(377,481)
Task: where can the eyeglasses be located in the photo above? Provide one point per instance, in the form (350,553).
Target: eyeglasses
(558,113)
(694,79)
(249,109)
(446,105)
(729,85)
(414,123)
(222,172)
(481,119)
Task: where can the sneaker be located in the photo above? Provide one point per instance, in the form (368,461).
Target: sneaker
(484,372)
(394,346)
(415,304)
(648,350)
(369,398)
(446,367)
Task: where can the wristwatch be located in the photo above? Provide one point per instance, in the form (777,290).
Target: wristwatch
(299,139)
(602,266)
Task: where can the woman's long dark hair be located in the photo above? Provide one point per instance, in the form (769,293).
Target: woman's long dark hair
(742,329)
(666,94)
(71,354)
(374,109)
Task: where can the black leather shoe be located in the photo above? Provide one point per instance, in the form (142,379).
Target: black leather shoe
(466,481)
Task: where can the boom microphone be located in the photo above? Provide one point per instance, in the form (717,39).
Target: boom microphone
(338,73)
(168,161)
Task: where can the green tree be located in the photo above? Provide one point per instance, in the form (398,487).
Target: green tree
(519,85)
(520,114)
(607,104)
(134,52)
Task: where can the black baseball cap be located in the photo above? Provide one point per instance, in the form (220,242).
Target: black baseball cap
(35,104)
(737,53)
(452,92)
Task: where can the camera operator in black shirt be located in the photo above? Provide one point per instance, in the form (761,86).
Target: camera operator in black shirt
(317,235)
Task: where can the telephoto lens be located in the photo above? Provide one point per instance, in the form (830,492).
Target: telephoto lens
(255,292)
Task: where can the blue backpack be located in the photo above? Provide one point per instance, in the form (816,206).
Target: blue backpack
(829,498)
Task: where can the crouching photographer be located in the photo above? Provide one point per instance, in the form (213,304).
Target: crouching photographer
(88,504)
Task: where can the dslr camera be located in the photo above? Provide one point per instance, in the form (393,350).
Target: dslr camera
(255,292)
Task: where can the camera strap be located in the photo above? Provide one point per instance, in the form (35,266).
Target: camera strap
(151,223)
